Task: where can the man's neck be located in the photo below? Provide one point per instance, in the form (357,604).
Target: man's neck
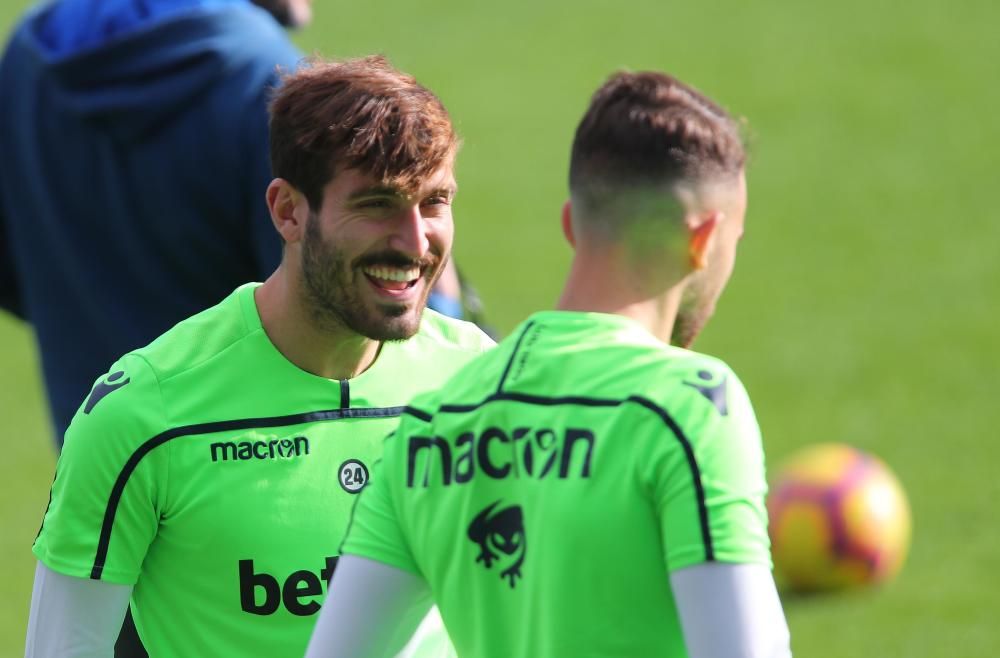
(331,353)
(603,287)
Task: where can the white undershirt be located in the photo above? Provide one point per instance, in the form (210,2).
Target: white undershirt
(730,611)
(81,618)
(74,617)
(726,611)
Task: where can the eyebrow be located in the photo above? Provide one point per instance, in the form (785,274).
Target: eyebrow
(376,190)
(447,190)
(388,190)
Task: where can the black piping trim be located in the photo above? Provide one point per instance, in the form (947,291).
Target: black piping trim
(118,489)
(584,401)
(517,346)
(345,394)
(354,507)
(48,505)
(699,488)
(422,415)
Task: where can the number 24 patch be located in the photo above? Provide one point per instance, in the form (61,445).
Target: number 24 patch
(353,475)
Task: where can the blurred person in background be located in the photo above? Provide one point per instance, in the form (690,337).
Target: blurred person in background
(591,487)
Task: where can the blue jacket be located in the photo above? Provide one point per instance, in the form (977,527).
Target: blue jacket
(133,147)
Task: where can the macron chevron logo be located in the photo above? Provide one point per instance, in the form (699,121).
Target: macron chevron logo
(109,384)
(713,388)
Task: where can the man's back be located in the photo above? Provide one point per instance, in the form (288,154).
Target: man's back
(134,193)
(579,462)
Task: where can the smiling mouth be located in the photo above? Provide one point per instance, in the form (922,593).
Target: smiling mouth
(392,279)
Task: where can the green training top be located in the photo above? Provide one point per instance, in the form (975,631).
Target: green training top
(217,477)
(545,492)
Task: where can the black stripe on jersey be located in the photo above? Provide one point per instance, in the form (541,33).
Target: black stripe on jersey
(517,347)
(583,401)
(417,413)
(47,506)
(345,394)
(208,428)
(354,507)
(699,488)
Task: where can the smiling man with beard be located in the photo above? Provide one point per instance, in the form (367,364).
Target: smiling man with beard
(209,476)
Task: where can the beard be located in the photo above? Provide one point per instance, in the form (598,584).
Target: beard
(696,308)
(686,329)
(333,290)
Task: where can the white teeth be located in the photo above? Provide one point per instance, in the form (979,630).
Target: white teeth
(393,273)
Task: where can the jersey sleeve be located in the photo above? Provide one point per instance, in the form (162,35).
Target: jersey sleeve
(375,531)
(105,502)
(707,477)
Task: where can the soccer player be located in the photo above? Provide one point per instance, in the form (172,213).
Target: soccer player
(591,487)
(209,475)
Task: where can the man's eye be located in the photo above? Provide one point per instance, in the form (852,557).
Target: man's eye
(375,203)
(439,200)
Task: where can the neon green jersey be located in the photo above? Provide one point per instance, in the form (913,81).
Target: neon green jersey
(547,490)
(218,478)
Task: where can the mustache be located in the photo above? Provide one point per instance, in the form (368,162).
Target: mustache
(396,259)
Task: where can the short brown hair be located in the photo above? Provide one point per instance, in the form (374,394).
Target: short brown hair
(649,128)
(357,114)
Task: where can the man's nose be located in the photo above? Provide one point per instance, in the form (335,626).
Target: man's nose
(410,231)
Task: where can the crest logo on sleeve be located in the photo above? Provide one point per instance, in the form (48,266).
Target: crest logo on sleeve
(713,387)
(109,384)
(500,535)
(353,475)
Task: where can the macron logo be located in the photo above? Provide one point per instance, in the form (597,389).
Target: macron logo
(111,383)
(275,449)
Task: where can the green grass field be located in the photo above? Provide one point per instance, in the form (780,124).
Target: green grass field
(864,305)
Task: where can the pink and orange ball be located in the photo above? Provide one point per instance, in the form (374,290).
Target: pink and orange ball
(839,518)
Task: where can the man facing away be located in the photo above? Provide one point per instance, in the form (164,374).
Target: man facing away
(588,489)
(209,475)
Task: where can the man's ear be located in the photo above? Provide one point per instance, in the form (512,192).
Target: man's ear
(567,223)
(701,228)
(289,210)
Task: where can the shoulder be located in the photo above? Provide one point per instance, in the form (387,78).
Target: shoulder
(439,349)
(129,403)
(123,409)
(241,44)
(696,395)
(680,375)
(260,37)
(200,338)
(440,332)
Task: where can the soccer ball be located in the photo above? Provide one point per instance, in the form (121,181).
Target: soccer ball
(838,519)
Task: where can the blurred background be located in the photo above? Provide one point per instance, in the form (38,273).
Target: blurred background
(865,301)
